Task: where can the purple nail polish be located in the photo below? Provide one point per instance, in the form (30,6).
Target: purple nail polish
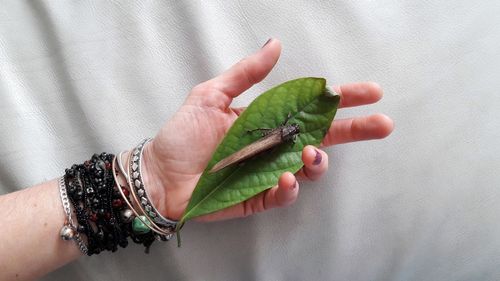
(317,158)
(267,42)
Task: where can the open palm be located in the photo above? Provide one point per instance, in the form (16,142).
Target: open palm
(176,158)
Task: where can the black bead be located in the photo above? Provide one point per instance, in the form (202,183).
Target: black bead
(79,195)
(81,228)
(99,173)
(101,188)
(70,172)
(100,165)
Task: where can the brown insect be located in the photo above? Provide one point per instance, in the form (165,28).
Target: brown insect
(271,137)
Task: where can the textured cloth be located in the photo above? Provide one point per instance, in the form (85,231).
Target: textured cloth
(79,77)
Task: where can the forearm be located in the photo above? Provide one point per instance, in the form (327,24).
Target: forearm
(30,245)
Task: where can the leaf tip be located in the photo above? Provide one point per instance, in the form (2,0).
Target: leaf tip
(330,92)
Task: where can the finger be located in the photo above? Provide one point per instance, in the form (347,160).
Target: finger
(359,94)
(284,194)
(315,163)
(220,91)
(354,94)
(371,127)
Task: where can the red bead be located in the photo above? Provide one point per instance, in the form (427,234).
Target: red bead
(93,217)
(117,203)
(108,166)
(125,192)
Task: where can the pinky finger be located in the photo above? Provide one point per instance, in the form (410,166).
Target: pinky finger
(284,194)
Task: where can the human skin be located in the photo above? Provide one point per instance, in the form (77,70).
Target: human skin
(30,244)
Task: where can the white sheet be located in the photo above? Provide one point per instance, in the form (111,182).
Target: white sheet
(82,77)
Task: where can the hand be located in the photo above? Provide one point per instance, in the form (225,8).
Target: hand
(176,158)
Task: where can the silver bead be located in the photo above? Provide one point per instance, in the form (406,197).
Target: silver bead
(134,166)
(140,192)
(67,233)
(127,215)
(167,237)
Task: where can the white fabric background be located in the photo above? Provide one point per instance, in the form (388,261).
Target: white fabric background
(82,77)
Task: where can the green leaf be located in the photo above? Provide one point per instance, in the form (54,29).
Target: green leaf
(311,105)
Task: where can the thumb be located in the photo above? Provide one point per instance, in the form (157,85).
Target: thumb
(220,91)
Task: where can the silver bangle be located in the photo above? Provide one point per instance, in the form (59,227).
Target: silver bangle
(138,184)
(69,230)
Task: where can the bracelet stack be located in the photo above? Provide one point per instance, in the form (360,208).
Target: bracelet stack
(110,204)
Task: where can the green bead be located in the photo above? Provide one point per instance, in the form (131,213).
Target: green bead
(138,225)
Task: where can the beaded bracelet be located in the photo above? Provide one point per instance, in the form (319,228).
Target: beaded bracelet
(99,205)
(96,204)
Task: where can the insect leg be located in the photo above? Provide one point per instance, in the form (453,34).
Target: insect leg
(264,131)
(287,118)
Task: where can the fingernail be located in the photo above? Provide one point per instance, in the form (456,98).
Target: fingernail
(317,158)
(267,42)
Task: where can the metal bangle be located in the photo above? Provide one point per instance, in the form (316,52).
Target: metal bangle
(138,185)
(151,226)
(137,200)
(69,230)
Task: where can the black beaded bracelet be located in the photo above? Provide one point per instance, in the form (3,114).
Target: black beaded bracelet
(99,206)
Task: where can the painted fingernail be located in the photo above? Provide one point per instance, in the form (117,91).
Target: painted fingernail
(317,158)
(267,42)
